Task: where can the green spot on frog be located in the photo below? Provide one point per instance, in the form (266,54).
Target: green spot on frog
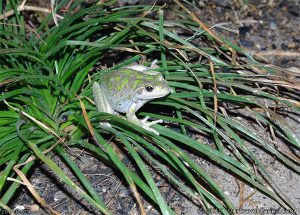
(123,83)
(126,72)
(136,83)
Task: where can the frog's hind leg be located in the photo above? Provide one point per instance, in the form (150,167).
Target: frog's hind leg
(101,101)
(145,69)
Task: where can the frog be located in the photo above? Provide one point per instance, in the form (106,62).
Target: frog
(127,89)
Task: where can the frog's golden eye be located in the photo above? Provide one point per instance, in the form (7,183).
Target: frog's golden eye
(149,88)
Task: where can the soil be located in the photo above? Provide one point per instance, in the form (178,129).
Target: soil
(269,28)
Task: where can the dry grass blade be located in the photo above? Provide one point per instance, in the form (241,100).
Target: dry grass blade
(30,187)
(205,28)
(23,7)
(212,70)
(281,83)
(88,122)
(279,53)
(44,126)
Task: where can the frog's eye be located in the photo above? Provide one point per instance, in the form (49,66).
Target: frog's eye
(149,88)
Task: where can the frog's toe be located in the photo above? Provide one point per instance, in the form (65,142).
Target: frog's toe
(154,122)
(145,119)
(146,123)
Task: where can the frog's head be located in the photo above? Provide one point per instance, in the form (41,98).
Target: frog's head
(151,89)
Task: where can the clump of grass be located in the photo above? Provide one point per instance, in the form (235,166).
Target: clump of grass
(46,76)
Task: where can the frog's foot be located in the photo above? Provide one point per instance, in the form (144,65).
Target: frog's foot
(146,125)
(144,121)
(154,65)
(131,117)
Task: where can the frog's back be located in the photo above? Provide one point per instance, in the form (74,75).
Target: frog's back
(119,87)
(118,82)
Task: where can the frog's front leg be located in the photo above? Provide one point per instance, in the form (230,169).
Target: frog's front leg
(101,101)
(130,115)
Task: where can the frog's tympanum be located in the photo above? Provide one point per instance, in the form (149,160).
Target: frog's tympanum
(128,89)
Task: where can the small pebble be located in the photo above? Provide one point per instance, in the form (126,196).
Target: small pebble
(291,45)
(34,208)
(284,46)
(273,25)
